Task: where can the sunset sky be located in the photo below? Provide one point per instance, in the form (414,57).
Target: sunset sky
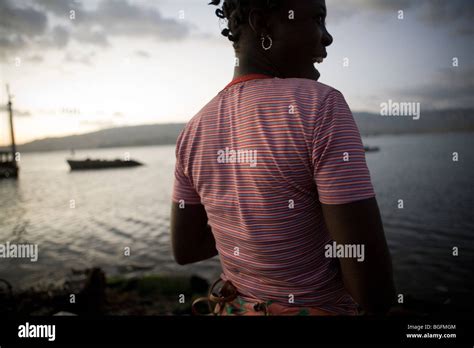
(137,62)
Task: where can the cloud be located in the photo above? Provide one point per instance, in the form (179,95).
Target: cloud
(18,26)
(80,58)
(12,43)
(338,7)
(98,123)
(60,36)
(21,21)
(455,91)
(143,54)
(456,15)
(16,113)
(121,18)
(59,7)
(92,36)
(24,24)
(36,58)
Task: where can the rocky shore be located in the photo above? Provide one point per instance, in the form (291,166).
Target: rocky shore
(91,293)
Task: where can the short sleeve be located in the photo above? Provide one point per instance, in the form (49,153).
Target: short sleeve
(182,187)
(340,168)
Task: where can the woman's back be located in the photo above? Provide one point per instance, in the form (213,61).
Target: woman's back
(261,157)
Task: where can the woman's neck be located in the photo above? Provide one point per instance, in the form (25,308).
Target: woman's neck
(245,66)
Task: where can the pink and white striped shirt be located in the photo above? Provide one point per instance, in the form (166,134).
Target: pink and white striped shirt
(261,157)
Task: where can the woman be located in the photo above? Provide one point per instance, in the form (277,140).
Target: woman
(271,175)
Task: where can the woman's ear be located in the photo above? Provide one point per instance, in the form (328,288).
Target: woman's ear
(258,22)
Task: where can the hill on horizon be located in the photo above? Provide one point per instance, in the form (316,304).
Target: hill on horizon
(456,120)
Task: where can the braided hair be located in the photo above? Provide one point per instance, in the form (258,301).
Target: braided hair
(237,11)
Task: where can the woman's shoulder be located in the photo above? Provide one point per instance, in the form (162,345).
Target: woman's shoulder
(305,89)
(308,85)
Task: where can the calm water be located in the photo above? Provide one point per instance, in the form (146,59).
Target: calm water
(122,208)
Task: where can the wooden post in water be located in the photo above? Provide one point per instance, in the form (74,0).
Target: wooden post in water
(12,132)
(8,165)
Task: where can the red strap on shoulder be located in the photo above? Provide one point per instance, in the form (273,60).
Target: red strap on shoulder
(248,78)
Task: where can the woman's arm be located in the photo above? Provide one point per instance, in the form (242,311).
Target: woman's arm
(191,237)
(370,282)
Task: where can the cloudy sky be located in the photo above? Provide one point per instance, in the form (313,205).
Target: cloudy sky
(158,61)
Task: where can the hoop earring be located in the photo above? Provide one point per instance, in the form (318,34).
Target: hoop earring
(266,48)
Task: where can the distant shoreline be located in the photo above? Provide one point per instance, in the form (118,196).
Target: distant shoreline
(367,136)
(369,124)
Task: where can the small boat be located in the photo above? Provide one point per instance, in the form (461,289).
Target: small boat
(8,167)
(90,164)
(371,148)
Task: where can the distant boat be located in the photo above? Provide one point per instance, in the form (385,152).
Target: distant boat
(371,148)
(90,164)
(8,165)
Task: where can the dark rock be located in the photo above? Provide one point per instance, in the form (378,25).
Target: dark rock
(92,296)
(199,285)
